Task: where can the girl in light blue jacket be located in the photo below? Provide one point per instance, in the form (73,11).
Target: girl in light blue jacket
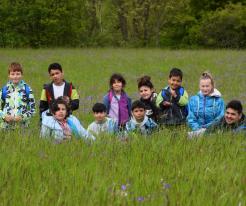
(207,107)
(60,125)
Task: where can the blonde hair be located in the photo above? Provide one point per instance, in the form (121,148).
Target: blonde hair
(207,75)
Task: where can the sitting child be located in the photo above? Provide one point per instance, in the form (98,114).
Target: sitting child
(61,125)
(207,107)
(139,121)
(172,100)
(17,100)
(102,124)
(148,97)
(117,102)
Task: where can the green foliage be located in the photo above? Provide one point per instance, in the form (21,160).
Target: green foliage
(224,28)
(132,23)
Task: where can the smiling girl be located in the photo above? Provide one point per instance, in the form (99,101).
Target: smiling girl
(148,97)
(207,107)
(60,125)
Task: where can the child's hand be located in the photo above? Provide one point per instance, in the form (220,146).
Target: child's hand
(167,104)
(17,118)
(173,93)
(9,118)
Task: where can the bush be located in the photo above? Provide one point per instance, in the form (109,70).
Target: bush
(223,28)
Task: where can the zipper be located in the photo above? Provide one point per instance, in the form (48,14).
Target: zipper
(204,110)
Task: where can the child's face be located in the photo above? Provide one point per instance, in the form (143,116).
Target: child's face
(117,86)
(145,92)
(138,114)
(232,116)
(56,76)
(175,82)
(206,86)
(99,116)
(15,76)
(61,113)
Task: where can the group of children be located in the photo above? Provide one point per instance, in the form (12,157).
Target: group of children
(203,112)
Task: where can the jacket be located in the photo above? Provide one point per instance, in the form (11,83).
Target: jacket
(123,104)
(47,95)
(152,111)
(16,103)
(109,126)
(51,128)
(176,113)
(145,127)
(205,110)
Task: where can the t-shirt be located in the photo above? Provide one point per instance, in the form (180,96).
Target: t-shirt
(58,90)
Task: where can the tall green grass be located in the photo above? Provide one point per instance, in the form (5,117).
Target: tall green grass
(164,169)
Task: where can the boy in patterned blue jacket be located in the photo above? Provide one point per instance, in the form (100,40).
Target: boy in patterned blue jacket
(139,122)
(17,100)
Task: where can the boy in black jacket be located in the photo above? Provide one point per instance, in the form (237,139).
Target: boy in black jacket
(58,87)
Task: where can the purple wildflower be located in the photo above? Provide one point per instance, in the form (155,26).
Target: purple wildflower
(140,199)
(166,186)
(123,187)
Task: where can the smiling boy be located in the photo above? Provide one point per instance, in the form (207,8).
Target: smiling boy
(17,100)
(57,88)
(172,100)
(234,120)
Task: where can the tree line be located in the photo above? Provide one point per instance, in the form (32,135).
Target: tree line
(123,23)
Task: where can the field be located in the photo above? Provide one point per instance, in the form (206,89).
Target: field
(164,169)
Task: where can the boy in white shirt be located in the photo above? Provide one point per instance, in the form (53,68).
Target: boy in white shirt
(102,123)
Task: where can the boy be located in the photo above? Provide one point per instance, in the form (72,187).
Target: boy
(139,121)
(233,120)
(17,100)
(101,123)
(58,87)
(173,100)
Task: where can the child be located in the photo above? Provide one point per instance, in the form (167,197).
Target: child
(61,125)
(233,121)
(58,87)
(207,107)
(101,123)
(148,97)
(140,122)
(117,102)
(17,100)
(172,100)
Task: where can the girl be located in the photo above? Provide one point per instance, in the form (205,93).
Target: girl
(117,102)
(207,106)
(148,97)
(60,125)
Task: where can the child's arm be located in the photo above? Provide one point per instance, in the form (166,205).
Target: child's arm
(129,105)
(43,104)
(219,113)
(106,102)
(191,118)
(181,100)
(184,99)
(74,99)
(159,100)
(2,114)
(30,107)
(82,132)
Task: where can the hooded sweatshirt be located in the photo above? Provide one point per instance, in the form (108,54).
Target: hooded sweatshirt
(205,110)
(145,127)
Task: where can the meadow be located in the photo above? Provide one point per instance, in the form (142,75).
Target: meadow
(163,169)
